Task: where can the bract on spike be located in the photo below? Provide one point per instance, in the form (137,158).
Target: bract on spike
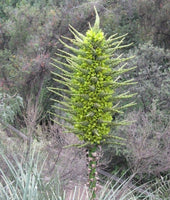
(97,21)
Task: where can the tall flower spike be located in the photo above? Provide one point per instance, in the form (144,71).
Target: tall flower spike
(90,79)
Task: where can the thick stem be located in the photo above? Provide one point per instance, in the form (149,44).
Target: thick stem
(92,172)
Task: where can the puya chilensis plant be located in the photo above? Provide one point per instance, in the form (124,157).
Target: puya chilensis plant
(90,78)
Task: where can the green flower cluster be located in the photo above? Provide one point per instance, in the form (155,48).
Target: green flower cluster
(90,76)
(91,117)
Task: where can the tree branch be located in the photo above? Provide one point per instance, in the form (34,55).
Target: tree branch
(19,133)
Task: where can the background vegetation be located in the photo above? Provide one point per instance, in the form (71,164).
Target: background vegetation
(29,37)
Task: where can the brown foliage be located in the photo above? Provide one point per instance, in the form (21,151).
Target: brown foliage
(148,144)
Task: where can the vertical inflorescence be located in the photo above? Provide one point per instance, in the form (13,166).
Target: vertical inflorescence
(90,79)
(93,88)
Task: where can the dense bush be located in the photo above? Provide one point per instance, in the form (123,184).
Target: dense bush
(10,106)
(148,143)
(154,16)
(143,20)
(152,75)
(123,18)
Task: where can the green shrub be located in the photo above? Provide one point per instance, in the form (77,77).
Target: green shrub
(122,17)
(152,75)
(10,106)
(154,20)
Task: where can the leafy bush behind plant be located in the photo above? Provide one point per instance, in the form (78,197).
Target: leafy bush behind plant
(10,106)
(152,75)
(143,20)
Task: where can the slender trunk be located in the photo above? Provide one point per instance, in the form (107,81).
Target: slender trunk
(92,172)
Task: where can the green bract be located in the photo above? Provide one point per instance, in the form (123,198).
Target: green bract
(90,78)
